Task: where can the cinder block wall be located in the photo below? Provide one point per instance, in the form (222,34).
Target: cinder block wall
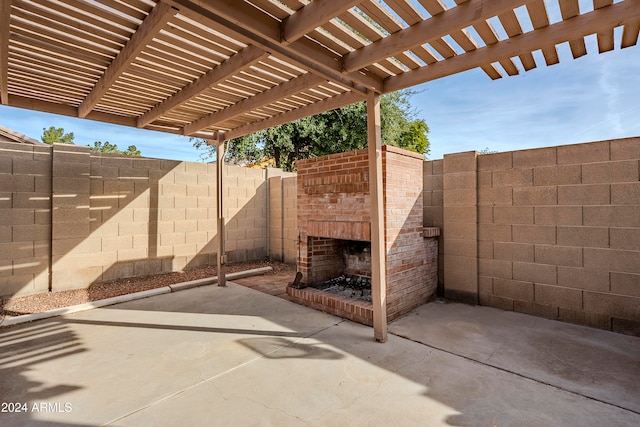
(117,217)
(558,232)
(283,229)
(25,217)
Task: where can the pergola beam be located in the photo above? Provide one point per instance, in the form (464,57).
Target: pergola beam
(150,27)
(438,26)
(5,18)
(283,90)
(243,59)
(241,22)
(577,27)
(328,104)
(312,16)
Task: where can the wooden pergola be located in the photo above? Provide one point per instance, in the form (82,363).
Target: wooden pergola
(220,69)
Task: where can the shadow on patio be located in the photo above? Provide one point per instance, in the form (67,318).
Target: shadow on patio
(224,356)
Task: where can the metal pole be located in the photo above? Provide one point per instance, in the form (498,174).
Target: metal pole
(378,250)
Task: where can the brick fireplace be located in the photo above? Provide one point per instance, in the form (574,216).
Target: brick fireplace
(335,232)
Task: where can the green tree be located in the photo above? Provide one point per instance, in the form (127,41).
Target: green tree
(335,131)
(56,135)
(107,147)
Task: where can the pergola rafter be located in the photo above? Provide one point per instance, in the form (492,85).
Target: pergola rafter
(264,52)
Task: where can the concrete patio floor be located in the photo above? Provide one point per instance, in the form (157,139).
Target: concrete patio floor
(238,357)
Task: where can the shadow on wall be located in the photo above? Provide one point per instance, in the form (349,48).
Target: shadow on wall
(112,217)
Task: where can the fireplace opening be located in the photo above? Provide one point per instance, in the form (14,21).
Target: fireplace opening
(348,286)
(341,267)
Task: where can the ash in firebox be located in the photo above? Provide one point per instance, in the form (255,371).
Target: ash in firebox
(356,287)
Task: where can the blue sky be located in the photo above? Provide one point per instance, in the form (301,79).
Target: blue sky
(593,98)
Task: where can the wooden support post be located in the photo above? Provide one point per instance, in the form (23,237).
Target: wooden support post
(222,279)
(378,250)
(219,143)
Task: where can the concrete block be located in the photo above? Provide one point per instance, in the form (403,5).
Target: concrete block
(17,216)
(535,196)
(536,273)
(460,162)
(76,245)
(625,194)
(6,165)
(465,197)
(502,196)
(175,214)
(625,148)
(185,202)
(437,167)
(77,215)
(514,289)
(580,317)
(541,234)
(494,268)
(495,161)
(507,251)
(496,302)
(31,265)
(557,296)
(467,248)
(64,185)
(622,306)
(485,285)
(607,172)
(494,232)
(170,189)
(583,153)
(75,278)
(30,233)
(513,214)
(460,230)
(460,180)
(612,260)
(557,175)
(17,183)
(512,178)
(587,194)
(583,278)
(73,201)
(625,284)
(460,214)
(535,309)
(534,158)
(558,255)
(30,200)
(594,237)
(116,243)
(611,216)
(625,238)
(625,326)
(70,230)
(31,167)
(484,179)
(485,214)
(16,250)
(461,274)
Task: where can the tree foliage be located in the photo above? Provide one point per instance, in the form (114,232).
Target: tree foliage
(56,135)
(107,147)
(335,131)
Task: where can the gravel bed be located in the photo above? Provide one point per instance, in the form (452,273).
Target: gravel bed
(10,306)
